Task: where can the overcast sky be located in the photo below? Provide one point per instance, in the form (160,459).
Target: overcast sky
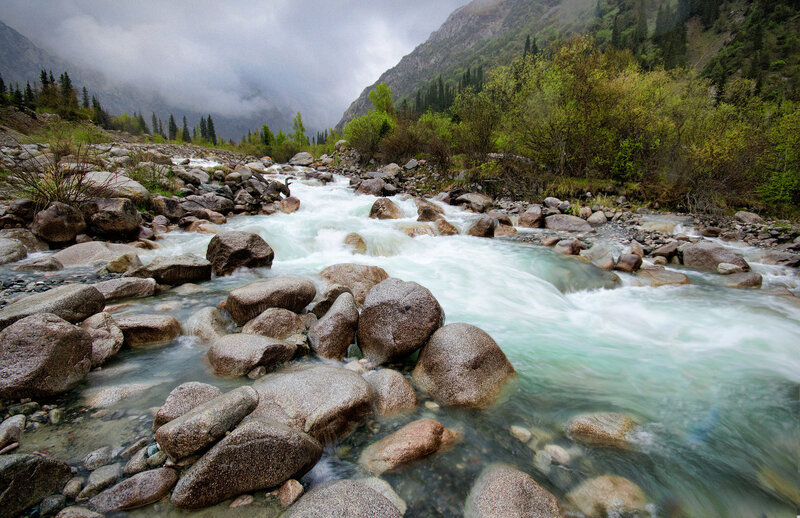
(315,56)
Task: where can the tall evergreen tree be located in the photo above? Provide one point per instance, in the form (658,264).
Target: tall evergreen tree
(203,128)
(299,133)
(616,33)
(17,98)
(527,46)
(161,129)
(172,128)
(267,138)
(185,131)
(598,10)
(85,97)
(154,123)
(143,124)
(3,97)
(29,100)
(641,22)
(212,134)
(43,78)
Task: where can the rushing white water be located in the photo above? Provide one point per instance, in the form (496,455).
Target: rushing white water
(712,373)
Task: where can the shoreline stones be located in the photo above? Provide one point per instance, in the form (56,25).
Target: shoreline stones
(182,399)
(359,278)
(73,303)
(27,479)
(176,270)
(137,491)
(249,301)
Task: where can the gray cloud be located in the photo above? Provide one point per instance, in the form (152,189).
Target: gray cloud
(236,58)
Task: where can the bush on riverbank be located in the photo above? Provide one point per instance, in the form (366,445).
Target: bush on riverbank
(577,115)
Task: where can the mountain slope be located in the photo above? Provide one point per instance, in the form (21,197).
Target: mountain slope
(484,32)
(21,60)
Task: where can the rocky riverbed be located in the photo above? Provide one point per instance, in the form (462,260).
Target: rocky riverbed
(585,361)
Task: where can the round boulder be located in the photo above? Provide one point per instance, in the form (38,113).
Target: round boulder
(145,330)
(333,333)
(566,223)
(238,354)
(139,490)
(116,218)
(601,430)
(397,319)
(608,495)
(58,223)
(231,250)
(384,208)
(182,399)
(74,303)
(706,255)
(11,251)
(26,479)
(42,355)
(392,393)
(505,492)
(483,227)
(275,323)
(247,302)
(462,366)
(360,278)
(107,337)
(344,498)
(411,443)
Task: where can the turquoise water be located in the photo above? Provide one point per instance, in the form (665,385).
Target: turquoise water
(711,373)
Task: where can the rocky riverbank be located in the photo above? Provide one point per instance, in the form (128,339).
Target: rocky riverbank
(291,383)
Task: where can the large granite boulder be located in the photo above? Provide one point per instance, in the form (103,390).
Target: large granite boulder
(176,270)
(117,185)
(532,218)
(462,366)
(384,208)
(115,218)
(331,336)
(360,278)
(58,223)
(126,288)
(26,479)
(42,355)
(505,492)
(324,401)
(249,301)
(391,392)
(349,498)
(257,455)
(205,424)
(209,324)
(145,330)
(231,250)
(409,444)
(567,223)
(275,323)
(482,227)
(92,252)
(397,319)
(304,158)
(106,336)
(475,202)
(238,354)
(11,251)
(182,399)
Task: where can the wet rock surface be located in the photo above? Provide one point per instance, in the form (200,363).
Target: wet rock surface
(503,491)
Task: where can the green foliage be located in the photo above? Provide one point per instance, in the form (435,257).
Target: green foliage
(381,98)
(365,133)
(299,132)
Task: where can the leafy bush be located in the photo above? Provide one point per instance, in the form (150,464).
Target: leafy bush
(365,133)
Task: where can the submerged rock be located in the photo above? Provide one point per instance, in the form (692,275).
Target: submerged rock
(249,301)
(257,455)
(238,354)
(331,336)
(462,366)
(11,430)
(409,444)
(73,303)
(601,430)
(231,250)
(662,277)
(324,401)
(205,424)
(505,492)
(744,280)
(397,319)
(608,496)
(139,490)
(42,355)
(384,208)
(100,479)
(359,278)
(349,498)
(26,479)
(209,324)
(184,398)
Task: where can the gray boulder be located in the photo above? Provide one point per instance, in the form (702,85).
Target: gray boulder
(462,366)
(706,255)
(27,479)
(506,492)
(11,430)
(117,185)
(91,253)
(184,398)
(176,270)
(303,158)
(359,278)
(126,288)
(532,218)
(331,336)
(275,323)
(602,430)
(205,424)
(397,319)
(145,330)
(324,401)
(247,302)
(58,223)
(373,186)
(231,250)
(384,208)
(475,202)
(11,251)
(106,336)
(42,355)
(238,354)
(257,455)
(349,498)
(139,490)
(116,218)
(209,324)
(483,227)
(391,392)
(567,223)
(411,443)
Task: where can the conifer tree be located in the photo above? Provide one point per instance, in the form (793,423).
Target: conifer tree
(17,98)
(267,138)
(185,132)
(299,134)
(172,128)
(154,123)
(641,22)
(616,34)
(29,100)
(203,128)
(43,79)
(85,97)
(527,47)
(3,98)
(143,124)
(212,134)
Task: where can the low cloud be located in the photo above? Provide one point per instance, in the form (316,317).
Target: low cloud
(236,58)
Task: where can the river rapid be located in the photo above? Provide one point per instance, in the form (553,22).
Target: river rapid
(711,373)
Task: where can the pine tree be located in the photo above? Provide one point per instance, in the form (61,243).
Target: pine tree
(527,47)
(17,98)
(3,97)
(85,97)
(185,132)
(267,138)
(161,129)
(212,134)
(52,79)
(641,22)
(172,128)
(299,134)
(154,123)
(203,128)
(143,124)
(29,100)
(534,47)
(43,79)
(598,10)
(616,34)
